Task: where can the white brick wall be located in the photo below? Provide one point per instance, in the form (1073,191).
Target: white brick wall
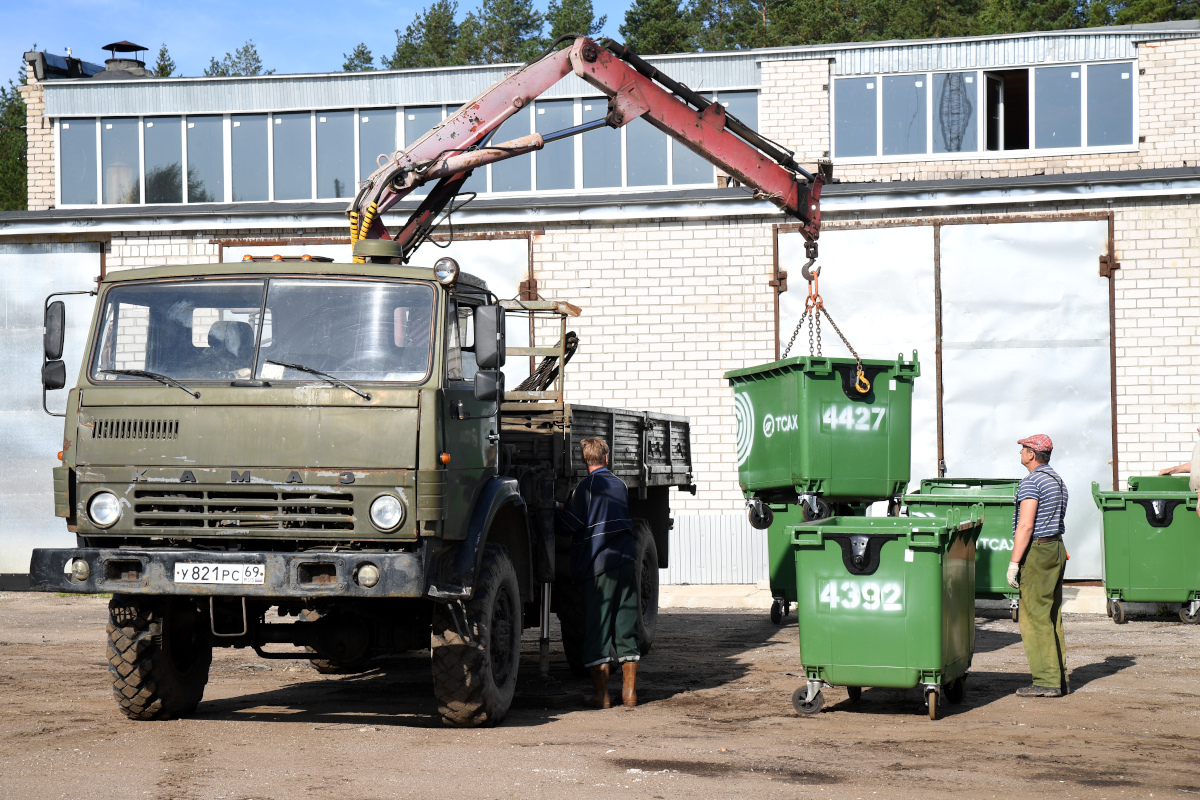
(1157,334)
(669,306)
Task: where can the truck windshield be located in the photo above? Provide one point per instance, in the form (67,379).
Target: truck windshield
(210,330)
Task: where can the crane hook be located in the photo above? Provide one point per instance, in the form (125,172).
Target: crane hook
(810,275)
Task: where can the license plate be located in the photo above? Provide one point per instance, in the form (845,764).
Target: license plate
(219,573)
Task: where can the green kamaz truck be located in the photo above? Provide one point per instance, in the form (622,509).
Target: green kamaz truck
(333,444)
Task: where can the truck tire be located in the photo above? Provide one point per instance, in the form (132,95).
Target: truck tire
(475,660)
(647,585)
(158,654)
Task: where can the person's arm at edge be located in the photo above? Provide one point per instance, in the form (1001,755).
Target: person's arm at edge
(1176,470)
(1024,533)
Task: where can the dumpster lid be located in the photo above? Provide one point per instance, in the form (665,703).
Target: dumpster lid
(823,365)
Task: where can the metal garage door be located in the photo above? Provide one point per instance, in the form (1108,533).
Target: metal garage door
(29,272)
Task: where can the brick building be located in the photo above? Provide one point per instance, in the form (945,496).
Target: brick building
(1018,209)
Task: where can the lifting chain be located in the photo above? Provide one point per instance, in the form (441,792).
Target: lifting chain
(814,307)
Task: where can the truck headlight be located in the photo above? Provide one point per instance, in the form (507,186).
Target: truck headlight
(104,509)
(387,513)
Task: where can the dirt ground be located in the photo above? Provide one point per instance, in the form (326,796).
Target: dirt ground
(716,721)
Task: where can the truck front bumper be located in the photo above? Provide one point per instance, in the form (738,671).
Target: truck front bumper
(299,575)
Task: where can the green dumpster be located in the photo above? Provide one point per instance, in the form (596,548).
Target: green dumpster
(803,428)
(993,549)
(781,555)
(1151,545)
(886,602)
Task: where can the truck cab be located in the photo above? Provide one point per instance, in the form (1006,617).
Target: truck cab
(330,440)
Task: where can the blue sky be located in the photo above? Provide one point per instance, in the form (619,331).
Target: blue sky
(291,36)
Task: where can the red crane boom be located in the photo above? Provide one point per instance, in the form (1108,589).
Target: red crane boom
(460,144)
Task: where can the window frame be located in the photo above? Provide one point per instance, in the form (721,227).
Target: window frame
(981,153)
(578,188)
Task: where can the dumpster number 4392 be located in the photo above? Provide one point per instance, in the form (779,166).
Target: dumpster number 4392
(869,596)
(852,418)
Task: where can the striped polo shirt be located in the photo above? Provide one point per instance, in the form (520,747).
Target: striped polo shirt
(1045,486)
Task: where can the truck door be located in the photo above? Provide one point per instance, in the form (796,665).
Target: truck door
(470,426)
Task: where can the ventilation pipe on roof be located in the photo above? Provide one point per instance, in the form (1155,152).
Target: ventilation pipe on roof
(123,67)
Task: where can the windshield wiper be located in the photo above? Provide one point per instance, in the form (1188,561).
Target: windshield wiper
(141,373)
(321,374)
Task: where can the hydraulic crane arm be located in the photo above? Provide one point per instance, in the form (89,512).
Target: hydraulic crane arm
(449,152)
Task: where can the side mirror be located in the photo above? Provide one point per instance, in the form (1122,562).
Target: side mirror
(54,374)
(489,338)
(55,324)
(489,385)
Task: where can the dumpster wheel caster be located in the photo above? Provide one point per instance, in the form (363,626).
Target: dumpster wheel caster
(931,697)
(1015,613)
(1118,612)
(777,612)
(810,708)
(855,693)
(956,690)
(1190,612)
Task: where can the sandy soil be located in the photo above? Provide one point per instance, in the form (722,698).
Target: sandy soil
(716,721)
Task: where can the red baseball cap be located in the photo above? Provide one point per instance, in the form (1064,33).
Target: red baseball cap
(1038,441)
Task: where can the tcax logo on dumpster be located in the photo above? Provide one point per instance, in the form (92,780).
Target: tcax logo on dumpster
(782,424)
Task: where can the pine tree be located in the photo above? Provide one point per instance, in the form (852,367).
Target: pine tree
(164,67)
(13,165)
(243,62)
(359,59)
(430,40)
(721,24)
(510,30)
(573,16)
(1020,16)
(657,26)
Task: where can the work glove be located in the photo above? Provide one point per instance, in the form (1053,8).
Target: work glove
(1013,569)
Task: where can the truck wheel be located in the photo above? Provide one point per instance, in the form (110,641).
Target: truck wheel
(158,654)
(475,660)
(647,585)
(571,622)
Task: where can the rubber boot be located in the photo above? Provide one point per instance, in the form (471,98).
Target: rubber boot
(629,688)
(599,698)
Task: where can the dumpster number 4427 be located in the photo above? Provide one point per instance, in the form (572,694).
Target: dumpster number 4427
(868,595)
(852,418)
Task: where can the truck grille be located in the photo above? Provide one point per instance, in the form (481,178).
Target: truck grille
(238,509)
(135,429)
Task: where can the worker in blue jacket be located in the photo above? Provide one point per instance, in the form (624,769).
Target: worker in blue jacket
(603,555)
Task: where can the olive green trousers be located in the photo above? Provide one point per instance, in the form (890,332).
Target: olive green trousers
(611,608)
(1041,613)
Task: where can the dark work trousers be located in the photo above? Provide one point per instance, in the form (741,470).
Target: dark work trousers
(1041,613)
(610,603)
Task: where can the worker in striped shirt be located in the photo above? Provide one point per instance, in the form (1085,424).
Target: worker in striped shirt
(1039,559)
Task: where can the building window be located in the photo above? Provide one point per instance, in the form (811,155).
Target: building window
(855,107)
(645,154)
(205,159)
(376,137)
(555,163)
(1109,104)
(601,149)
(249,145)
(1058,107)
(903,114)
(292,156)
(1007,98)
(77,161)
(335,153)
(120,166)
(163,140)
(686,166)
(513,174)
(955,100)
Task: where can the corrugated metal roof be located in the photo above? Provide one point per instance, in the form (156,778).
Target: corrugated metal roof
(701,71)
